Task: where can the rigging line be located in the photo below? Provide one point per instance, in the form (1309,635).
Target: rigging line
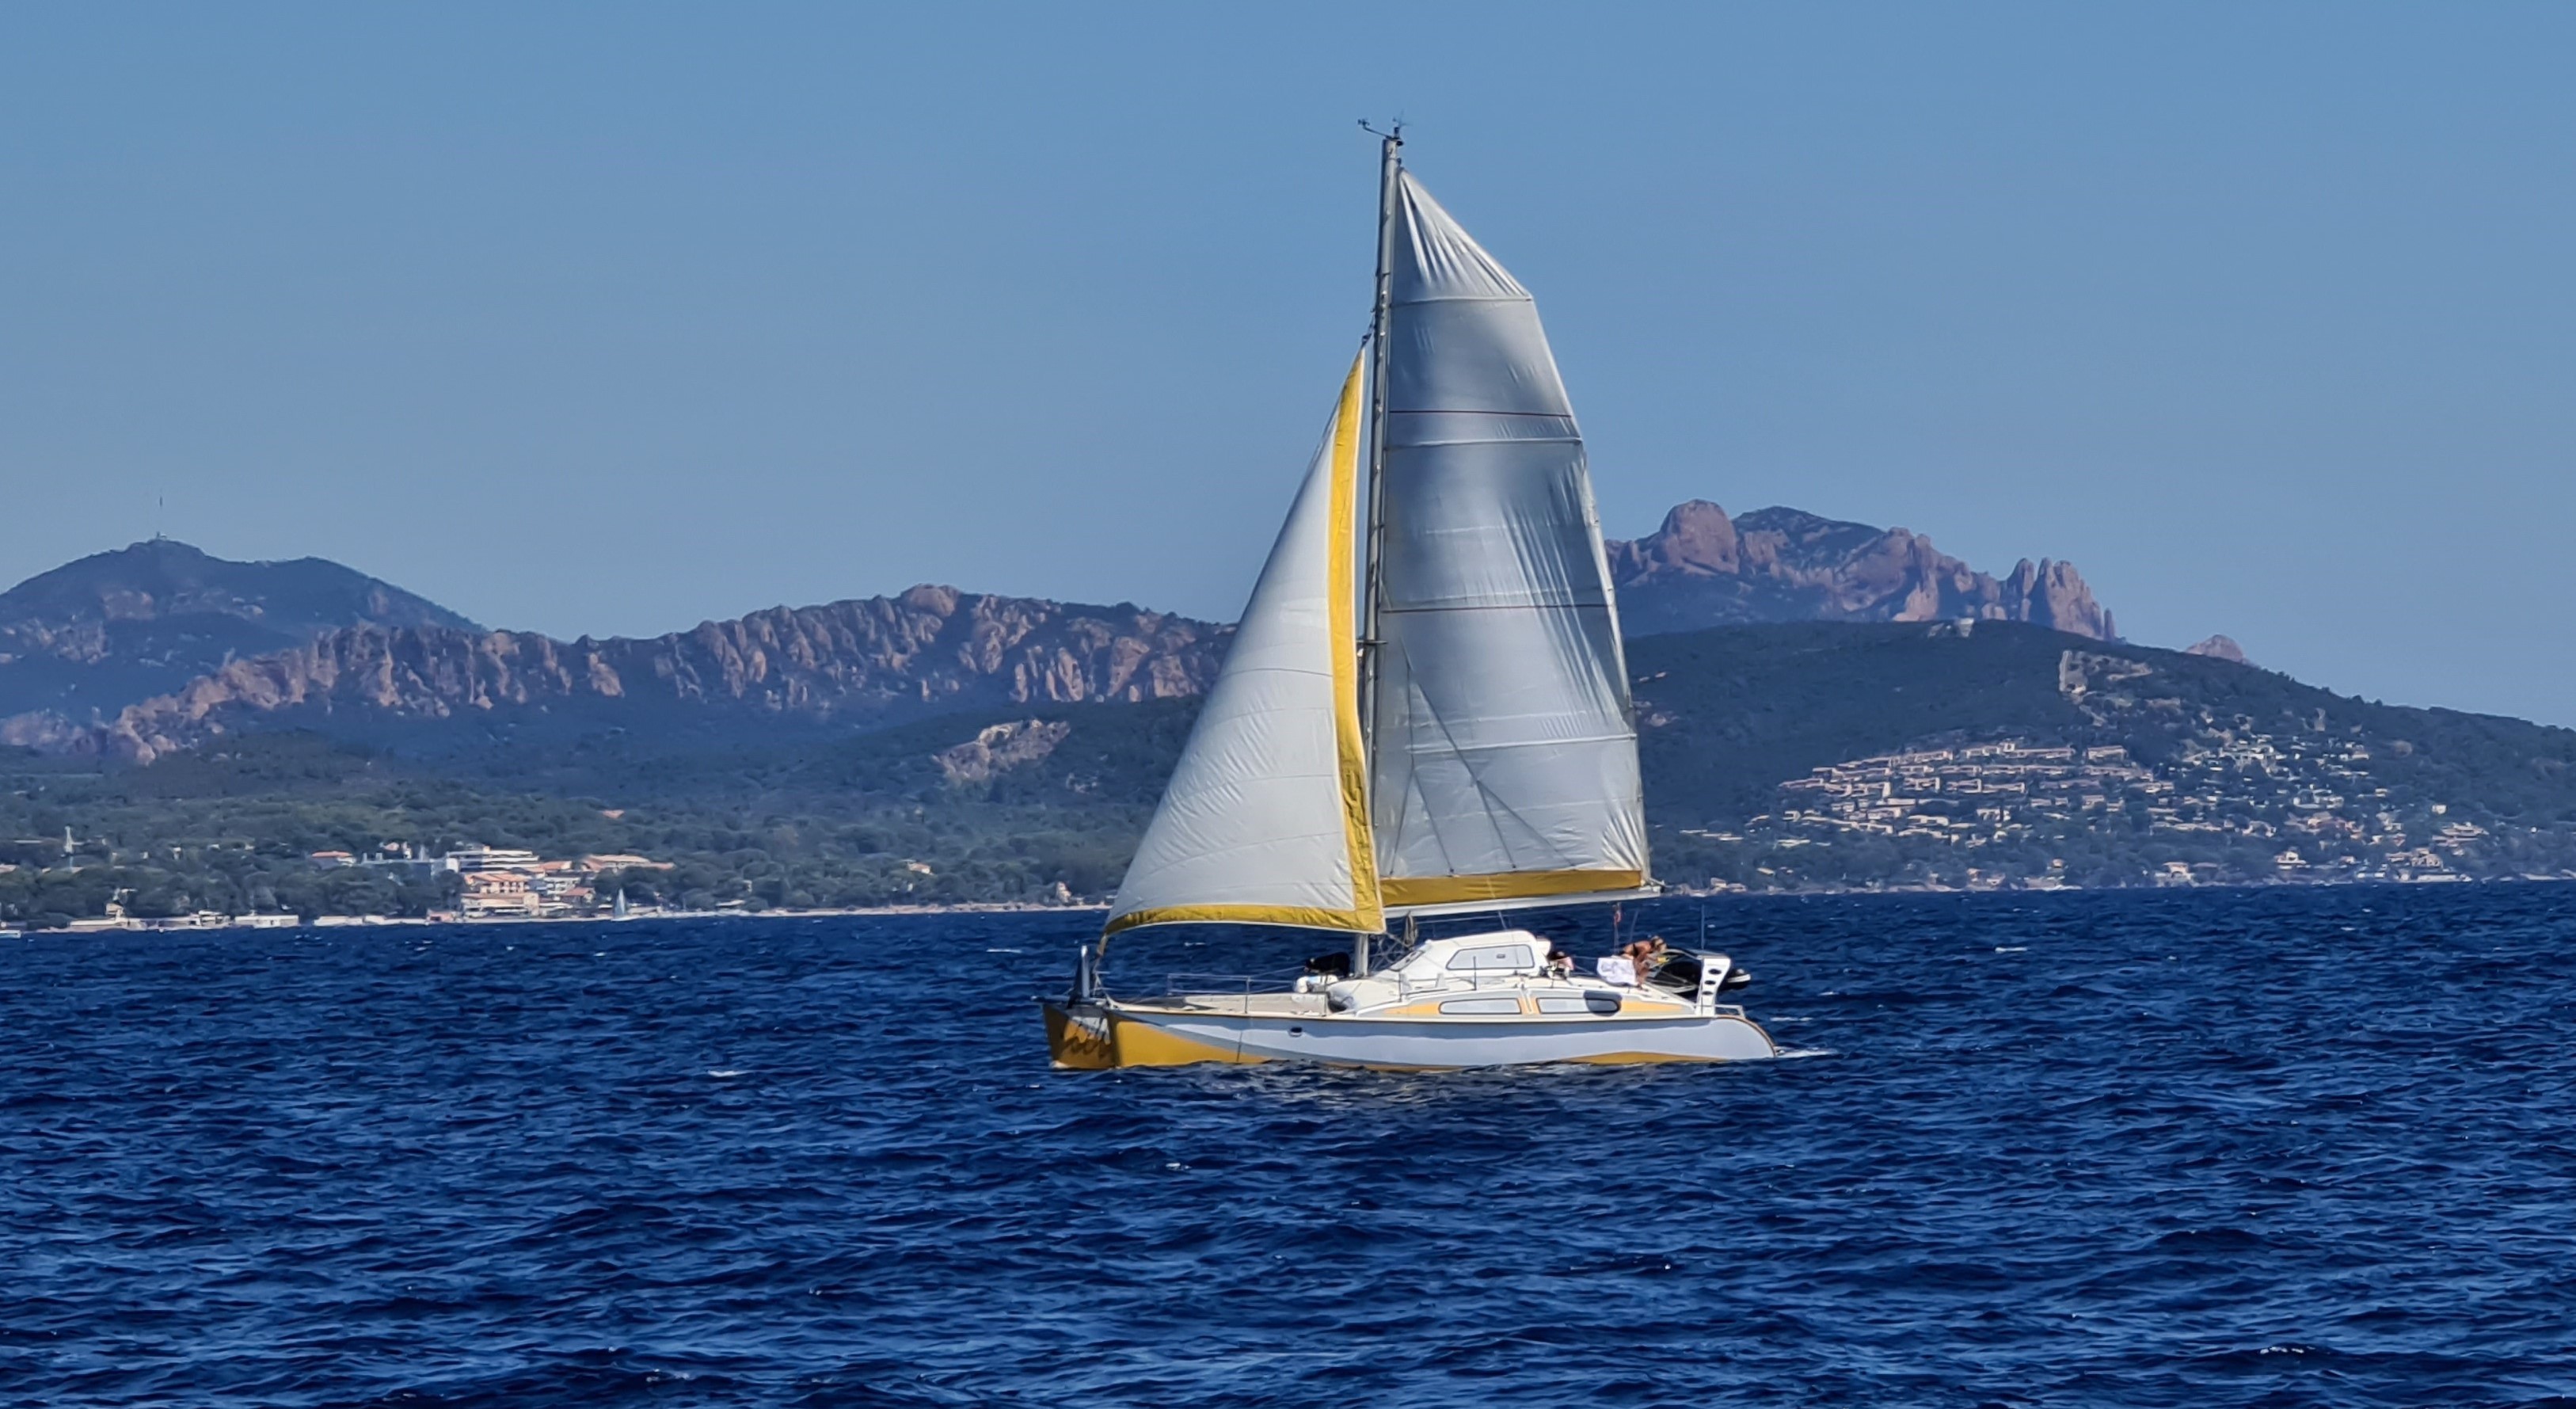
(1492,440)
(1523,296)
(1462,750)
(1497,607)
(1475,776)
(1412,788)
(1476,411)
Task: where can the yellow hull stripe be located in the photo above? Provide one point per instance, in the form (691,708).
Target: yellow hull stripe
(1081,1046)
(1510,885)
(1609,1059)
(1077,1045)
(1141,1044)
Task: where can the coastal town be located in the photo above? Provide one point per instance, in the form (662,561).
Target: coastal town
(397,883)
(2233,804)
(469,883)
(504,883)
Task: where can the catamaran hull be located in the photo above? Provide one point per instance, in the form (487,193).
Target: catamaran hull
(1096,1037)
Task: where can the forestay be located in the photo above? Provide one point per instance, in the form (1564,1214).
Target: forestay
(1504,748)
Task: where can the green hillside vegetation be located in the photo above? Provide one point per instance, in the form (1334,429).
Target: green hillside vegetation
(812,822)
(1732,713)
(1752,705)
(802,818)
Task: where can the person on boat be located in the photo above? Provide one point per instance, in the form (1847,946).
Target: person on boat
(1559,963)
(1646,956)
(1322,972)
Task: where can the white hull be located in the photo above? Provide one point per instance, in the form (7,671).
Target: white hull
(1453,1043)
(1426,1020)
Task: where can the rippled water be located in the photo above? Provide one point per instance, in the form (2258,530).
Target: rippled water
(2218,1148)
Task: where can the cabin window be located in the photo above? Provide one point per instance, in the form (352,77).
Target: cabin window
(1590,1001)
(1493,958)
(1488,1006)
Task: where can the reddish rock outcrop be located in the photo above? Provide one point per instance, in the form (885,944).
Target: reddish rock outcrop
(2218,648)
(89,637)
(932,648)
(311,644)
(1703,569)
(998,747)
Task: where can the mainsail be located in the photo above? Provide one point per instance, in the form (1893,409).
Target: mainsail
(1503,743)
(1265,820)
(1500,759)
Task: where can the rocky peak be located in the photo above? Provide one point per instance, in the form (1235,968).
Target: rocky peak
(163,578)
(96,634)
(2054,595)
(1697,539)
(1780,564)
(1801,538)
(864,662)
(931,598)
(2218,648)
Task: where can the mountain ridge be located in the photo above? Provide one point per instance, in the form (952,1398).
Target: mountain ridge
(868,661)
(84,639)
(1701,568)
(158,647)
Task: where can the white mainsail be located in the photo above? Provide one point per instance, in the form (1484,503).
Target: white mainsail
(1503,743)
(1265,819)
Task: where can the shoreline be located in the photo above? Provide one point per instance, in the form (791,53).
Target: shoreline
(207,924)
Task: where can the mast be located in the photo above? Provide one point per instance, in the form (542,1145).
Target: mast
(1390,146)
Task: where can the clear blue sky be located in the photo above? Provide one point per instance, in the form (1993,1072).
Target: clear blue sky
(616,318)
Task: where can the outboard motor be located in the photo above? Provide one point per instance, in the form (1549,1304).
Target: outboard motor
(1680,972)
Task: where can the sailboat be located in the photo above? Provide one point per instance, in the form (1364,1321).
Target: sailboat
(1425,714)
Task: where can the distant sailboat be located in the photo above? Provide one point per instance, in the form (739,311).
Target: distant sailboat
(1425,712)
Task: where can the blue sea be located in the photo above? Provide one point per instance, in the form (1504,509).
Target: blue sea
(2280,1147)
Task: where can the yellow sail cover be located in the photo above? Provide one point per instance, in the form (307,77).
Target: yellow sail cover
(1265,820)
